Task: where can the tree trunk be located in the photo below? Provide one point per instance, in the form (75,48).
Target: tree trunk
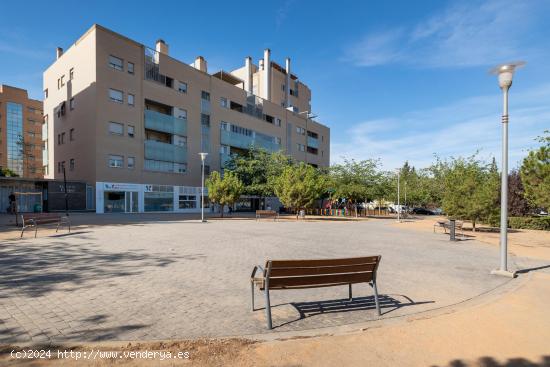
(473,225)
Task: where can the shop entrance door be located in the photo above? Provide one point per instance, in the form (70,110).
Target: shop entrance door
(131,202)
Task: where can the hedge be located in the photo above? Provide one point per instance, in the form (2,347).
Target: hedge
(541,223)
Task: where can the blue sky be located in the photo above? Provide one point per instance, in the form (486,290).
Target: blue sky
(395,80)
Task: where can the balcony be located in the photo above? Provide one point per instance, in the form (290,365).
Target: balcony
(245,142)
(158,151)
(165,123)
(312,142)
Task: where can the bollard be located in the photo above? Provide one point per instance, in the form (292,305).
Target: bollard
(452,230)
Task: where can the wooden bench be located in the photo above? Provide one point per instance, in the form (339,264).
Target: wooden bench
(267,213)
(446,225)
(300,274)
(34,219)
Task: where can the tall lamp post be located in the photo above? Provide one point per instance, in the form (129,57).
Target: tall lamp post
(505,73)
(203,158)
(398,208)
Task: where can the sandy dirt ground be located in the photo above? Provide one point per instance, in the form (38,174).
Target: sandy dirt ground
(512,330)
(522,242)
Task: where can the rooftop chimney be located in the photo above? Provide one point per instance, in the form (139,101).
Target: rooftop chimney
(267,75)
(161,46)
(58,52)
(200,64)
(287,81)
(248,76)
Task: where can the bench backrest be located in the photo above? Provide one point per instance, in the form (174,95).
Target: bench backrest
(266,212)
(41,216)
(281,274)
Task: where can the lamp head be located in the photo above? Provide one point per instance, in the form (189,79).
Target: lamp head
(505,73)
(203,156)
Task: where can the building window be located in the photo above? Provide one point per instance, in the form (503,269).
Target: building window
(131,162)
(301,147)
(224,103)
(130,131)
(45,93)
(115,63)
(62,79)
(71,134)
(62,138)
(116,161)
(181,113)
(225,126)
(277,140)
(277,121)
(130,67)
(71,104)
(205,120)
(71,164)
(59,167)
(182,87)
(71,74)
(300,130)
(130,99)
(116,128)
(58,139)
(205,96)
(187,201)
(116,96)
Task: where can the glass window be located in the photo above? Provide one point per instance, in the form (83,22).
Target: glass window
(130,131)
(14,135)
(116,161)
(223,102)
(130,67)
(182,87)
(114,201)
(116,128)
(205,96)
(71,164)
(159,201)
(225,126)
(131,162)
(71,104)
(115,95)
(181,113)
(115,62)
(71,134)
(205,119)
(278,121)
(180,140)
(187,201)
(45,93)
(62,79)
(130,99)
(71,74)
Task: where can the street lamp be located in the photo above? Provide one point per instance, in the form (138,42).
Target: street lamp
(505,73)
(203,157)
(398,209)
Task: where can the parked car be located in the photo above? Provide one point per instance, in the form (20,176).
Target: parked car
(422,211)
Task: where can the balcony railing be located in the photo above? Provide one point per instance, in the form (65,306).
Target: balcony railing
(165,123)
(245,142)
(159,151)
(312,142)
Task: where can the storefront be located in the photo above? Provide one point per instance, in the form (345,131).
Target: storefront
(113,197)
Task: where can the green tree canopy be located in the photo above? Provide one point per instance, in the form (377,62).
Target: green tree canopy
(535,174)
(354,181)
(299,185)
(224,191)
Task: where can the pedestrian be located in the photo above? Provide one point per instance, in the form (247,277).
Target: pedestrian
(13,205)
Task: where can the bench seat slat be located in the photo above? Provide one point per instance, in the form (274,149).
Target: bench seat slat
(320,280)
(323,262)
(322,270)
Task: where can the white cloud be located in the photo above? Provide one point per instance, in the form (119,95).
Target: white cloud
(472,34)
(459,129)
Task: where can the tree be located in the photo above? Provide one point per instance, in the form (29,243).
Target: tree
(224,190)
(298,186)
(354,181)
(535,174)
(471,189)
(517,203)
(6,172)
(255,168)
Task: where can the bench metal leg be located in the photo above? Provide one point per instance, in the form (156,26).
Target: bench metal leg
(22,230)
(350,293)
(376,297)
(252,293)
(57,229)
(268,309)
(35,230)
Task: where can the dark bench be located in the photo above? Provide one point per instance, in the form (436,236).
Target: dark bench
(267,213)
(34,219)
(446,225)
(300,274)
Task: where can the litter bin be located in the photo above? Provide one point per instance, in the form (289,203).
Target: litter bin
(452,230)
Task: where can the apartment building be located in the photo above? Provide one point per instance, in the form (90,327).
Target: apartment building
(130,120)
(20,132)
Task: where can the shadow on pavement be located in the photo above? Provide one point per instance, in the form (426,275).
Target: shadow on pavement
(492,362)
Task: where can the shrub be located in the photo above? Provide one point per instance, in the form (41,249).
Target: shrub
(541,223)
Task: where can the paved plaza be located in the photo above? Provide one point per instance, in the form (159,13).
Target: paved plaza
(179,278)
